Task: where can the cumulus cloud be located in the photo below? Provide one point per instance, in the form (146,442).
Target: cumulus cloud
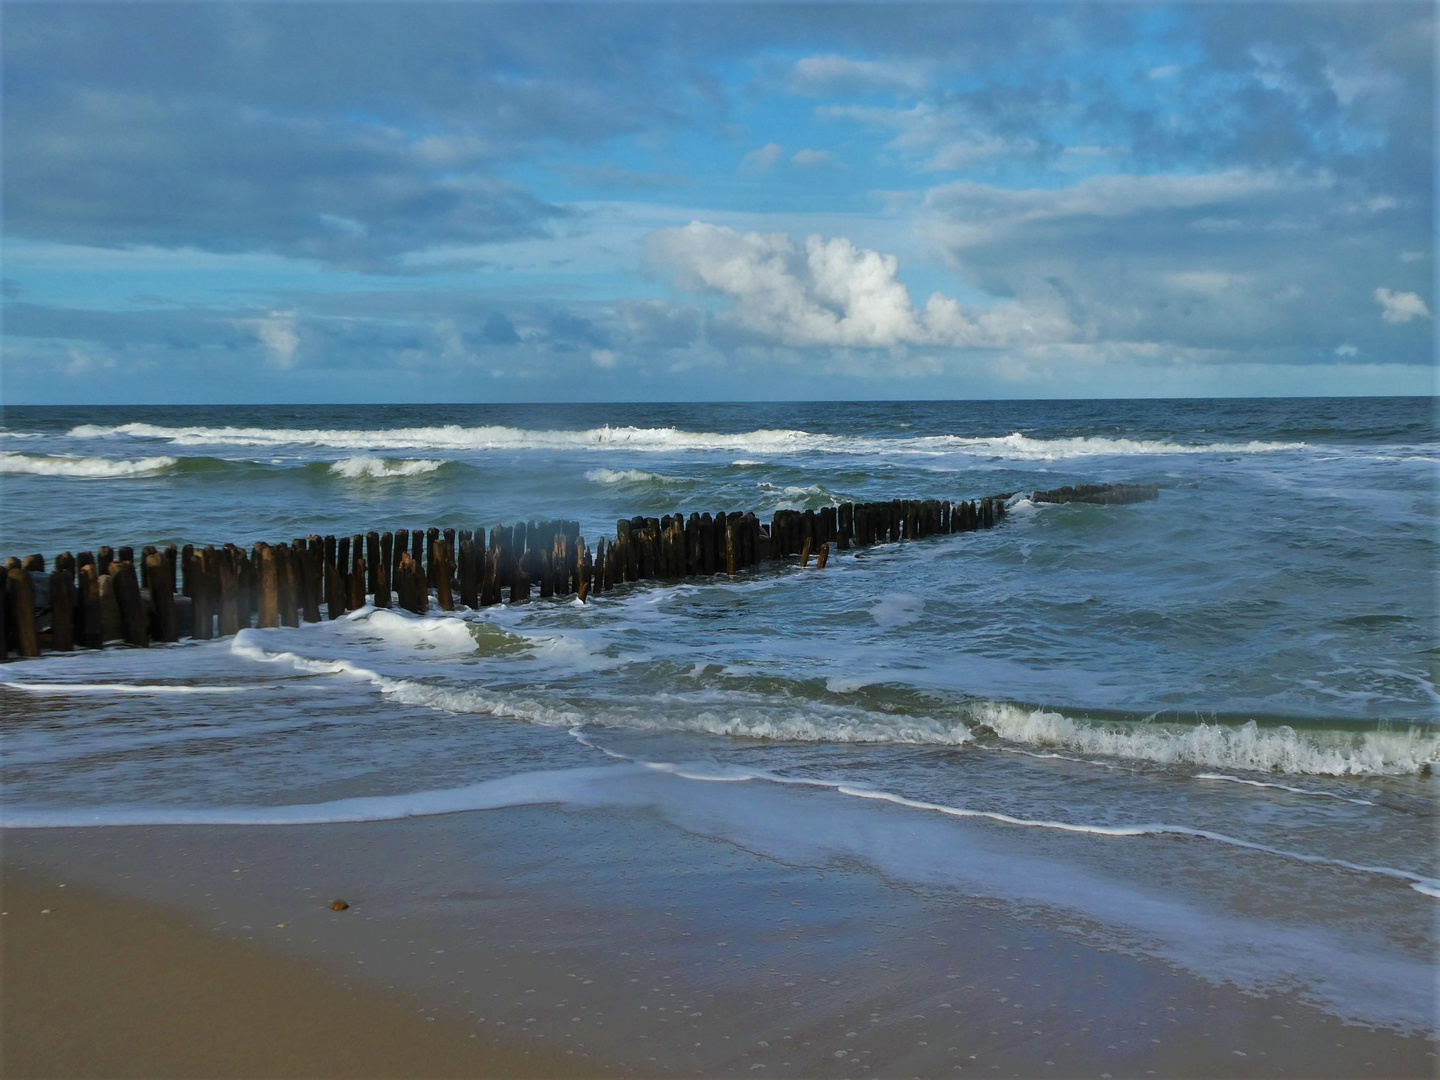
(1400,307)
(828,293)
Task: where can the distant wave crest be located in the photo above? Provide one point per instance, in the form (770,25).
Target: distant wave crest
(765,441)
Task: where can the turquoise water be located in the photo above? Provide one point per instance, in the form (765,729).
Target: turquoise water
(1200,727)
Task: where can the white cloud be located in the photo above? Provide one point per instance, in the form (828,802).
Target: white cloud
(814,159)
(278,333)
(831,293)
(1164,71)
(604,358)
(1346,350)
(763,159)
(1400,307)
(1412,256)
(840,74)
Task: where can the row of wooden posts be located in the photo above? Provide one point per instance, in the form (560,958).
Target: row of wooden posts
(109,596)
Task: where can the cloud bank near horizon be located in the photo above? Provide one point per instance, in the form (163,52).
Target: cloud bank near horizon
(673,202)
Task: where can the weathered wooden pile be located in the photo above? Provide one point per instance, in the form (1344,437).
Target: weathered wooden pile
(92,600)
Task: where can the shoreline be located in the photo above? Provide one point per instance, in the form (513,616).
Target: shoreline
(646,950)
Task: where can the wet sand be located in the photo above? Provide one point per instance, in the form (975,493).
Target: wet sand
(602,943)
(99,986)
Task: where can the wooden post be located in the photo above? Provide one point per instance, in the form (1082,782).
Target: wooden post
(402,545)
(469,590)
(372,562)
(104,556)
(805,552)
(823,557)
(490,590)
(356,579)
(342,570)
(230,599)
(202,607)
(20,602)
(5,632)
(162,598)
(416,595)
(382,575)
(520,582)
(62,612)
(111,628)
(134,619)
(34,563)
(444,566)
(732,544)
(269,588)
(90,627)
(432,535)
(309,558)
(288,571)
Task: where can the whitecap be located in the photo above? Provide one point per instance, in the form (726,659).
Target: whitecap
(1247,746)
(80,467)
(623,476)
(368,466)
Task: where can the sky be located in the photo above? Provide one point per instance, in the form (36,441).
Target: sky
(414,202)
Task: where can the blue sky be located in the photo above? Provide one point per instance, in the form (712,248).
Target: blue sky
(479,202)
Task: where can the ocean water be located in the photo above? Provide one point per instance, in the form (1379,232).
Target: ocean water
(1201,728)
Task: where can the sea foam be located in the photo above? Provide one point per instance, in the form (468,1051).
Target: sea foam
(1249,746)
(376,468)
(765,441)
(94,468)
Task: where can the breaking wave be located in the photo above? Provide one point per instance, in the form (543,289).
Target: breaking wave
(623,476)
(1221,746)
(368,466)
(80,467)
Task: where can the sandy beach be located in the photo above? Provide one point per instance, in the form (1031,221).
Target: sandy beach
(537,941)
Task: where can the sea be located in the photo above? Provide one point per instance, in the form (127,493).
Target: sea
(1202,729)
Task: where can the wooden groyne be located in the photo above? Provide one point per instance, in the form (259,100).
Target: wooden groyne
(110,597)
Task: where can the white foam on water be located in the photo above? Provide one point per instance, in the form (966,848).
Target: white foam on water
(1283,787)
(898,609)
(376,468)
(446,633)
(85,468)
(768,441)
(1248,746)
(623,476)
